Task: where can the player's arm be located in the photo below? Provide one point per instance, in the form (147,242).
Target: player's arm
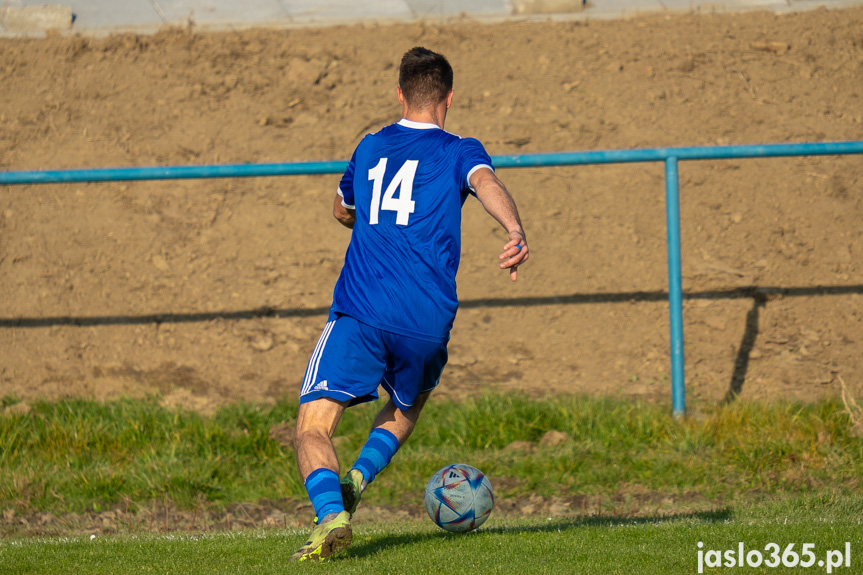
(343,204)
(496,200)
(346,216)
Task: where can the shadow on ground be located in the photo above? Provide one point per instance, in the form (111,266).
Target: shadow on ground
(556,525)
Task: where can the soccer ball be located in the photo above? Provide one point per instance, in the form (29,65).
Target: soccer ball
(459,498)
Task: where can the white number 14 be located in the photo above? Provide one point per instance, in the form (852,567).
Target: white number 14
(403,206)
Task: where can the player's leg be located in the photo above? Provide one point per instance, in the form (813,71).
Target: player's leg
(414,371)
(344,369)
(319,467)
(400,422)
(390,430)
(316,423)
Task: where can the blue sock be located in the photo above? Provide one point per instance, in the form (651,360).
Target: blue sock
(376,453)
(325,492)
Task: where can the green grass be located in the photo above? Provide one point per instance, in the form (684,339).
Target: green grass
(77,456)
(587,545)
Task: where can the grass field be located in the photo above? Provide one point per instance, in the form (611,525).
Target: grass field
(86,456)
(755,473)
(589,545)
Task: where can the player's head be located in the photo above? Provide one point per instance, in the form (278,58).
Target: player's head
(425,78)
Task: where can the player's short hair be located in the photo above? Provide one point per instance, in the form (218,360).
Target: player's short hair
(425,78)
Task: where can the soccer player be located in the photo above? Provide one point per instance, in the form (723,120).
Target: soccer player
(395,300)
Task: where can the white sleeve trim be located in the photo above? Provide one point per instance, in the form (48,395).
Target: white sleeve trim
(342,196)
(472,170)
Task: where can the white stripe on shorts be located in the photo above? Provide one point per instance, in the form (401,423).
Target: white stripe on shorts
(314,362)
(311,370)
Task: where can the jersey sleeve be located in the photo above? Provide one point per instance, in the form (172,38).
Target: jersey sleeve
(346,185)
(472,156)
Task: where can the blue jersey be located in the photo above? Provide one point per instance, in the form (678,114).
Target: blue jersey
(407,183)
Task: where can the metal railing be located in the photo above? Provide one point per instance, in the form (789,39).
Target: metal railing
(669,156)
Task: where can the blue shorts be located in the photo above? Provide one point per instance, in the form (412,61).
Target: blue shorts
(352,359)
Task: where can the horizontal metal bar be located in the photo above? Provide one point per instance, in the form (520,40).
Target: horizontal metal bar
(172,173)
(514,161)
(662,154)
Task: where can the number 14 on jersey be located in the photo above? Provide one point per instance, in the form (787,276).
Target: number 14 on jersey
(403,181)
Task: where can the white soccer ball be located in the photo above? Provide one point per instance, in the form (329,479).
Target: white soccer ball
(459,498)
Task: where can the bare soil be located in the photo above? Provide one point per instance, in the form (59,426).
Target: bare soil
(164,517)
(207,291)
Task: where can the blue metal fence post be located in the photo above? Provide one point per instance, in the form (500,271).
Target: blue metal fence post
(675,289)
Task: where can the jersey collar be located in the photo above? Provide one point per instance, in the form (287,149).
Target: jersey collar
(418,125)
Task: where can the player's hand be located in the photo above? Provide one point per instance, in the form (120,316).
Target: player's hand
(514,253)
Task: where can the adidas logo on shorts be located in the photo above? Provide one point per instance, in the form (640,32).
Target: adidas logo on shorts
(321,386)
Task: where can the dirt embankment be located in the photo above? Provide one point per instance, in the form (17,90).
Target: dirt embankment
(207,291)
